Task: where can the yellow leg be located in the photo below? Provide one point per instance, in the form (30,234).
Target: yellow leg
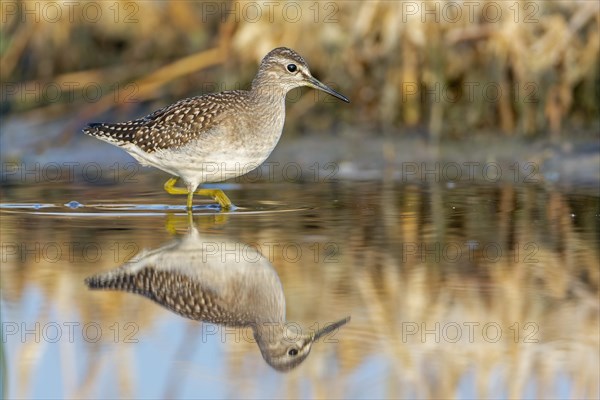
(216,194)
(173,220)
(171,189)
(190,195)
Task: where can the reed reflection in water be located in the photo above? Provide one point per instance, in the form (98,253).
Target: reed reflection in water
(454,291)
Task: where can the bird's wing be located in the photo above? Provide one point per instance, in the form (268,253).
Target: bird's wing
(173,290)
(169,127)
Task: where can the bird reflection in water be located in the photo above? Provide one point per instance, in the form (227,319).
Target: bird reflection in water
(193,277)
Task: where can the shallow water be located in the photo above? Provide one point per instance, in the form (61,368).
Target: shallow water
(454,290)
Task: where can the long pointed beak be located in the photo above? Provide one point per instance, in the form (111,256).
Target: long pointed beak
(330,328)
(318,85)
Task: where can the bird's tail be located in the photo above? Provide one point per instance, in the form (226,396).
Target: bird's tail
(119,133)
(116,280)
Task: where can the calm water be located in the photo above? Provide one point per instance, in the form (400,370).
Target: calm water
(454,290)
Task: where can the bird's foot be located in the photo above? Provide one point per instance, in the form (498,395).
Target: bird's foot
(216,194)
(219,197)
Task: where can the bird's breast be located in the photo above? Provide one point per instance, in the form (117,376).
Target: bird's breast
(238,145)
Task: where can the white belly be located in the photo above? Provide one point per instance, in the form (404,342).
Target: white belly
(196,165)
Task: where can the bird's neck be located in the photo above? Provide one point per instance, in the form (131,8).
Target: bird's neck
(268,332)
(267,91)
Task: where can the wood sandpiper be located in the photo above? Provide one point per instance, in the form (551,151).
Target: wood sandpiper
(204,280)
(216,136)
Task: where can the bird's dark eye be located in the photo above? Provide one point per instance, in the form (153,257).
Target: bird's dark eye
(292,67)
(292,352)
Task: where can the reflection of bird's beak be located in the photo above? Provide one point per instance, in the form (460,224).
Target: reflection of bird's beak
(318,85)
(330,328)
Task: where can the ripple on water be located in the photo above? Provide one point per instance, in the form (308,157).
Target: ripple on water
(77,209)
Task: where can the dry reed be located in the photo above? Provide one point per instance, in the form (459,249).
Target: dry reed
(453,68)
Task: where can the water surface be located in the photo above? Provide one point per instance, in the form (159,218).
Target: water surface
(460,290)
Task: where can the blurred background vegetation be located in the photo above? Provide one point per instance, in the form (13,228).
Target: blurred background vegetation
(452,70)
(494,70)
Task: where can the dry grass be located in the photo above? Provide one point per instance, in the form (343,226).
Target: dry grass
(516,67)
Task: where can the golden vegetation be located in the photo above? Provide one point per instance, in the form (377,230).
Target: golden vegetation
(450,67)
